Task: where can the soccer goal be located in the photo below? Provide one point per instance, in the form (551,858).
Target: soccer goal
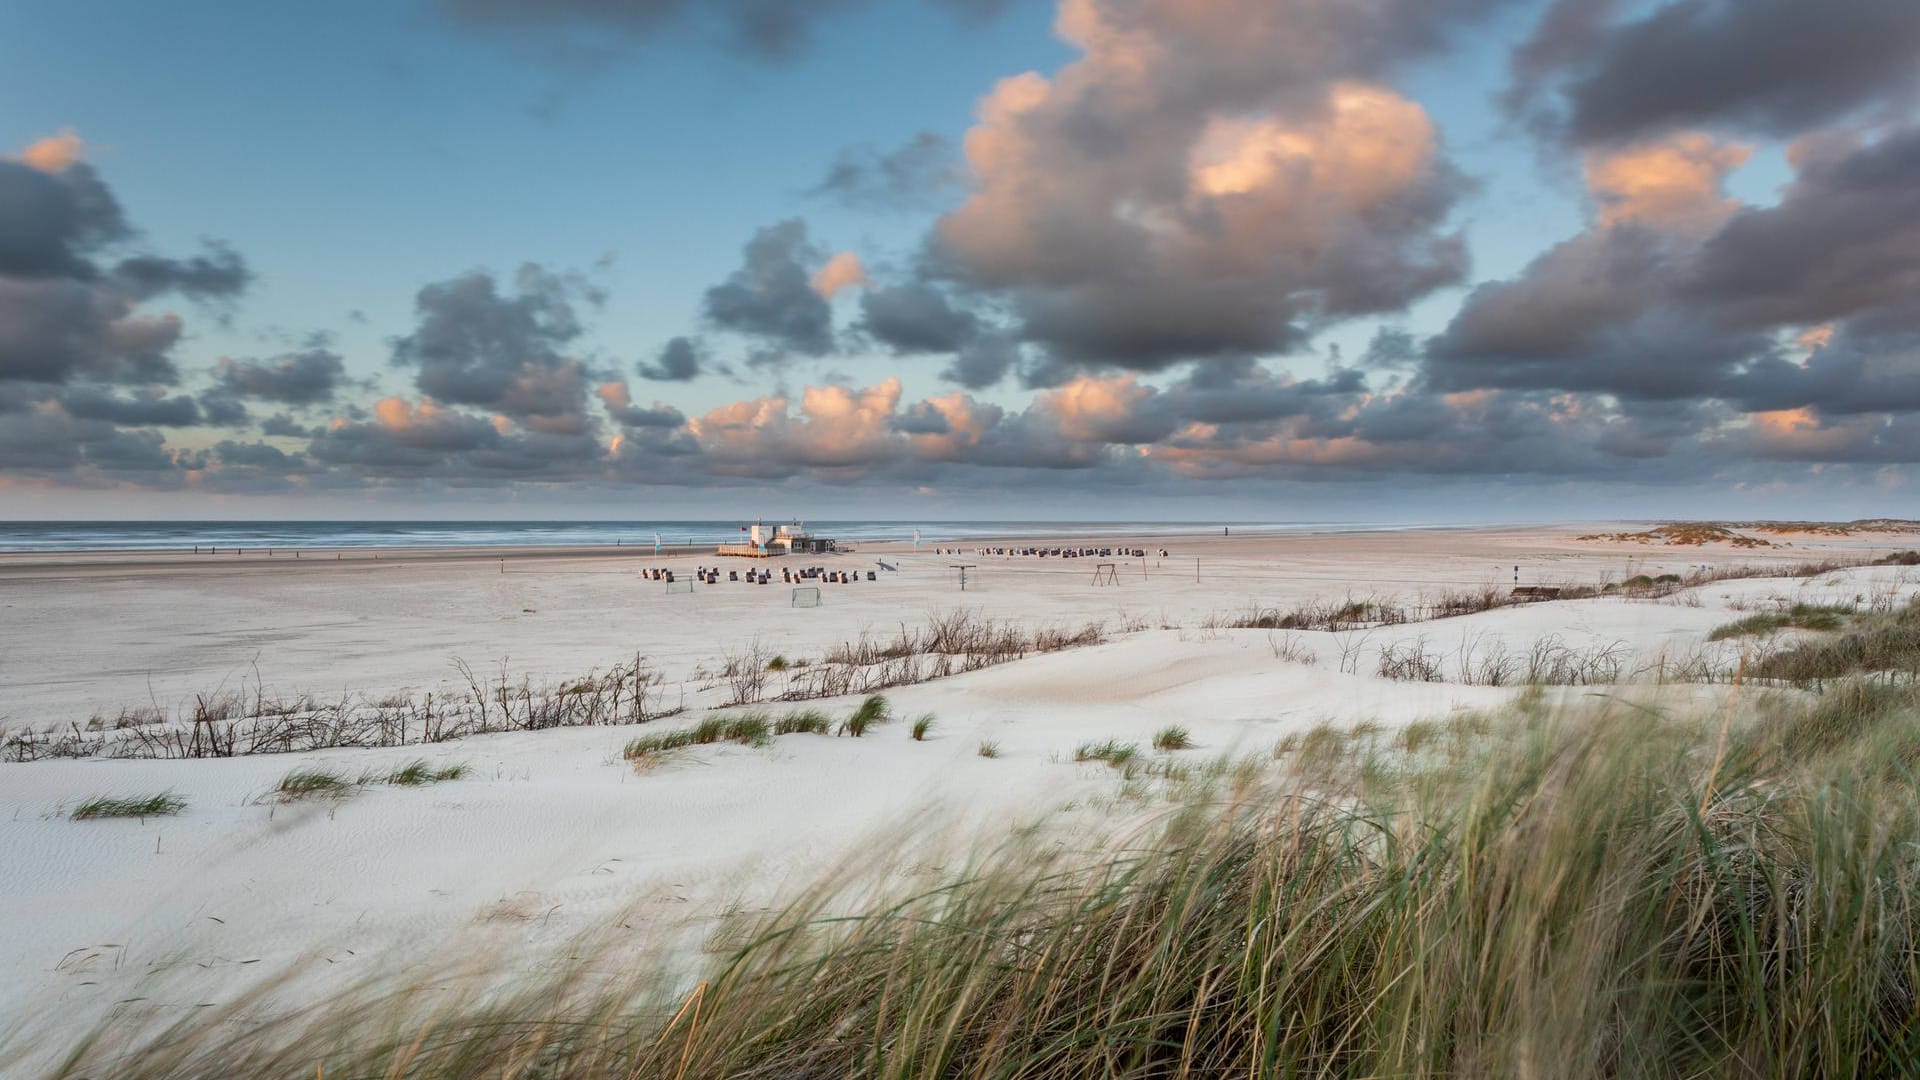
(679,585)
(807,597)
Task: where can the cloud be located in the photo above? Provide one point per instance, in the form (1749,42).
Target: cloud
(619,405)
(680,360)
(1675,182)
(286,426)
(477,345)
(62,315)
(219,273)
(1844,241)
(55,153)
(302,378)
(149,409)
(915,175)
(842,272)
(1770,67)
(771,296)
(1678,293)
(915,317)
(52,223)
(600,29)
(1208,181)
(983,361)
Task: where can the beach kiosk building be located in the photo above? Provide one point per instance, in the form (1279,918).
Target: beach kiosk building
(767,541)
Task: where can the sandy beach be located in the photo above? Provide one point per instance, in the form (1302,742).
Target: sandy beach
(551,834)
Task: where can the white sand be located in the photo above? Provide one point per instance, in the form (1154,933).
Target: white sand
(553,835)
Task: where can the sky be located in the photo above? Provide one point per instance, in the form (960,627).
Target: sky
(1275,260)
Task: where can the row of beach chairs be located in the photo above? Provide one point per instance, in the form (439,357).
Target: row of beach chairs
(1054,552)
(710,575)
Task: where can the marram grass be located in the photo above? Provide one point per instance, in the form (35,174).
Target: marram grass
(1615,893)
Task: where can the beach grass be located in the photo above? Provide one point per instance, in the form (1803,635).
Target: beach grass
(1172,737)
(922,724)
(988,749)
(416,773)
(315,783)
(1616,891)
(1112,751)
(134,806)
(1797,617)
(804,722)
(747,729)
(873,710)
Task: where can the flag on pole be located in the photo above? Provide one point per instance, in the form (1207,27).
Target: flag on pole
(916,539)
(656,543)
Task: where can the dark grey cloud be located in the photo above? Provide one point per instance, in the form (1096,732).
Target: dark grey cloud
(983,361)
(680,360)
(1774,67)
(476,345)
(61,316)
(54,329)
(1852,373)
(1391,348)
(1844,240)
(916,175)
(51,223)
(301,378)
(257,455)
(284,425)
(217,274)
(915,317)
(1656,314)
(771,297)
(599,30)
(150,409)
(225,412)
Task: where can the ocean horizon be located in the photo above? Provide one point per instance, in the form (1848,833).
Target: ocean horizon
(79,536)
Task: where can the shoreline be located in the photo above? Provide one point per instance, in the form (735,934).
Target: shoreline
(256,555)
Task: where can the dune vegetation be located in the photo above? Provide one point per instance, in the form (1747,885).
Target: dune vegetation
(1620,889)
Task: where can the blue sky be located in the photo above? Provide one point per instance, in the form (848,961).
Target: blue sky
(631,150)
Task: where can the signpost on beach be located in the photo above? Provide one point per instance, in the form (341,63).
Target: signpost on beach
(963,568)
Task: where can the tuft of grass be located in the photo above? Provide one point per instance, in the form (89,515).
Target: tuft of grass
(778,663)
(1172,737)
(1114,752)
(747,729)
(415,773)
(1798,617)
(804,722)
(313,784)
(988,749)
(874,710)
(136,806)
(922,725)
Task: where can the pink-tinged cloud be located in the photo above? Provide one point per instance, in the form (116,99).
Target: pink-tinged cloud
(1096,409)
(1675,182)
(1804,435)
(837,427)
(842,272)
(1254,189)
(55,153)
(614,395)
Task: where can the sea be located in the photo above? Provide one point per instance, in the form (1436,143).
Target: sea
(60,536)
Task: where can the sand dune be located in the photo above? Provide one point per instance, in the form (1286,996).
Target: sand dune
(552,834)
